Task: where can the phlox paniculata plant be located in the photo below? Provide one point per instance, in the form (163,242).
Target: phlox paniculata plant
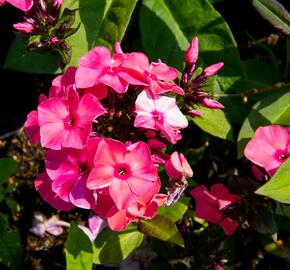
(106,125)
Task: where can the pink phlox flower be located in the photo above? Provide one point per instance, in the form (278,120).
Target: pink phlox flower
(23,5)
(210,205)
(62,83)
(160,113)
(31,126)
(128,171)
(157,76)
(126,168)
(95,225)
(41,225)
(97,66)
(177,167)
(68,123)
(43,185)
(269,147)
(144,207)
(69,170)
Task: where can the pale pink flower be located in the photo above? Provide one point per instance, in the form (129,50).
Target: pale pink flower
(97,66)
(160,113)
(210,205)
(43,186)
(177,166)
(69,170)
(95,225)
(68,123)
(157,76)
(23,5)
(41,225)
(269,147)
(128,169)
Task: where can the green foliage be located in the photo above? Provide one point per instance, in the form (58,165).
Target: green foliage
(173,23)
(278,187)
(20,59)
(79,250)
(215,123)
(163,228)
(101,22)
(112,247)
(10,245)
(7,167)
(275,13)
(273,109)
(176,211)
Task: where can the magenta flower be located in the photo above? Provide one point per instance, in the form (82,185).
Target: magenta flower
(157,76)
(210,205)
(160,113)
(32,127)
(177,166)
(97,66)
(43,186)
(69,170)
(23,5)
(68,123)
(121,168)
(144,207)
(269,147)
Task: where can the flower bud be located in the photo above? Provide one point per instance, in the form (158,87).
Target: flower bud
(24,27)
(191,54)
(211,103)
(213,69)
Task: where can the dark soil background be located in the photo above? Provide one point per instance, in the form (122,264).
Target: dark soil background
(19,95)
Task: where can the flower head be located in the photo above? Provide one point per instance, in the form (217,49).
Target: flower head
(68,123)
(210,205)
(128,169)
(269,147)
(160,113)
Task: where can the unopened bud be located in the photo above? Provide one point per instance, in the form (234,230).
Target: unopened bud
(211,103)
(191,54)
(23,27)
(194,113)
(213,69)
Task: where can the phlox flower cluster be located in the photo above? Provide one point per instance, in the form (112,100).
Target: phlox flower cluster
(105,126)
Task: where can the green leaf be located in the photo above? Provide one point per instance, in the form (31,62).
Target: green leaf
(278,187)
(7,168)
(163,228)
(79,250)
(101,22)
(176,211)
(167,27)
(274,13)
(10,246)
(260,74)
(19,59)
(273,109)
(215,123)
(112,247)
(12,204)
